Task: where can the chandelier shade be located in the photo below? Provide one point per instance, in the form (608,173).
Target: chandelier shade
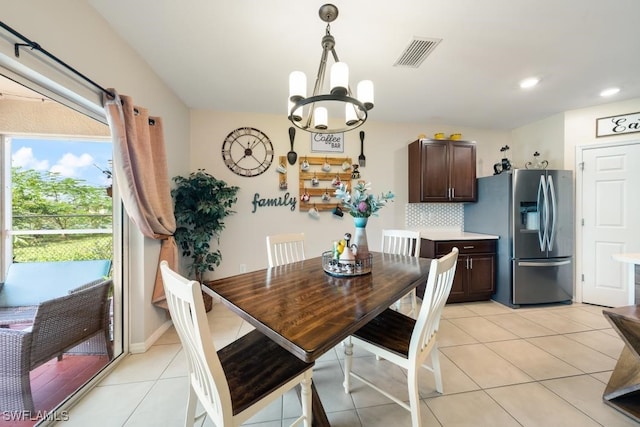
(312,113)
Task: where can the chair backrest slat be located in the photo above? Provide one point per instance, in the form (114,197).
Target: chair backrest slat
(439,282)
(285,248)
(401,242)
(206,375)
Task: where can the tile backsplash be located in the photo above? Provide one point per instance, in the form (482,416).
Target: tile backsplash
(446,215)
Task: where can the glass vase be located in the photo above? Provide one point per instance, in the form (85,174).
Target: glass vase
(360,238)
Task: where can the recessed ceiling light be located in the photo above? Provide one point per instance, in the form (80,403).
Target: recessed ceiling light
(610,91)
(529,83)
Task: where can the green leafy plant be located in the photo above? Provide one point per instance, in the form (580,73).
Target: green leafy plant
(201,204)
(360,203)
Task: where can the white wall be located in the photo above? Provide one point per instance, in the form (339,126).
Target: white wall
(75,33)
(580,127)
(544,136)
(243,240)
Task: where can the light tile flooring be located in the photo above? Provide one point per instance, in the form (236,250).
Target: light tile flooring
(543,366)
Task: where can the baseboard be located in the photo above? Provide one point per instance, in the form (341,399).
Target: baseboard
(141,347)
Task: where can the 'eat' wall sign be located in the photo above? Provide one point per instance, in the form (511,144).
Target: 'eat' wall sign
(617,125)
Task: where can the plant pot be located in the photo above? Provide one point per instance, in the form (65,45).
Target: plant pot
(360,238)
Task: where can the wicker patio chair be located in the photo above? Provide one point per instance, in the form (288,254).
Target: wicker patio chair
(59,324)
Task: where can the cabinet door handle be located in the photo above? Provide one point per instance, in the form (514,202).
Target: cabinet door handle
(468,247)
(471,263)
(453,192)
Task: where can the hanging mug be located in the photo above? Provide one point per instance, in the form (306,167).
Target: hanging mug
(315,181)
(336,181)
(337,211)
(346,166)
(305,196)
(355,174)
(326,166)
(313,212)
(326,196)
(304,165)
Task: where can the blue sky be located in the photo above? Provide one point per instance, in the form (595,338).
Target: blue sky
(71,158)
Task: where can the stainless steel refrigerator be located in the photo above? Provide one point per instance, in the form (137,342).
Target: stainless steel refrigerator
(532,212)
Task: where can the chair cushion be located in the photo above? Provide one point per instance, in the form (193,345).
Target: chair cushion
(255,366)
(30,283)
(391,330)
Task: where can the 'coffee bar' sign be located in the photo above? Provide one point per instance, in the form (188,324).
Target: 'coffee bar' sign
(617,125)
(327,142)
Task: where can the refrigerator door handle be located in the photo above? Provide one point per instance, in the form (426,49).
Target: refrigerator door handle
(543,264)
(542,230)
(551,236)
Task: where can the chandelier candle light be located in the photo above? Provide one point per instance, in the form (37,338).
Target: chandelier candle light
(312,113)
(361,205)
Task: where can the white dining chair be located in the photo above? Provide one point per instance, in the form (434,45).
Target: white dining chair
(404,341)
(235,382)
(285,248)
(403,242)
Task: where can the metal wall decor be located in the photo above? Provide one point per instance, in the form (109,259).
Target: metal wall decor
(247,151)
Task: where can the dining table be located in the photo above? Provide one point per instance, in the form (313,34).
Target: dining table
(308,311)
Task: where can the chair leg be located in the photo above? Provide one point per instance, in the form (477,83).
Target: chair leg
(414,303)
(435,366)
(414,397)
(348,360)
(192,400)
(305,399)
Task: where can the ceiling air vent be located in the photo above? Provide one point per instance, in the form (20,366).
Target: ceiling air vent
(416,52)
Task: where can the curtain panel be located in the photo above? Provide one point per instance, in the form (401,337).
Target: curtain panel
(141,173)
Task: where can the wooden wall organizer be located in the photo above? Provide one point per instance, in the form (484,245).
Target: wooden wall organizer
(325,179)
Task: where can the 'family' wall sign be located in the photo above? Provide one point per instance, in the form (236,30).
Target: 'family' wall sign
(617,125)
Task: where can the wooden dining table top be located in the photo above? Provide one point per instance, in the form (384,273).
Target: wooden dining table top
(306,310)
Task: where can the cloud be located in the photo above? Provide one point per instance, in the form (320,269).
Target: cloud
(69,164)
(24,158)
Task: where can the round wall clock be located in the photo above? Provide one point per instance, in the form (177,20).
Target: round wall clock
(247,151)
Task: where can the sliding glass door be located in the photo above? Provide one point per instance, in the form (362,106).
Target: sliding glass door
(59,214)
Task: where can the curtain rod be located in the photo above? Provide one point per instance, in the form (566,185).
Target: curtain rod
(35,46)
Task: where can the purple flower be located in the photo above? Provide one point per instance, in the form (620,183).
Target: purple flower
(362,206)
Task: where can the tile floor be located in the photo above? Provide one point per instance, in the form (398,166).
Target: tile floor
(543,366)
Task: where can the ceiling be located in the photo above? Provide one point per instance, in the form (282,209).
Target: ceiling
(237,55)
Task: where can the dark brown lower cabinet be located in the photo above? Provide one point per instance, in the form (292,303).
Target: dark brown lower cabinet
(475,278)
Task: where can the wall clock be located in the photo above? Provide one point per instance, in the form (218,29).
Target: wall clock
(247,151)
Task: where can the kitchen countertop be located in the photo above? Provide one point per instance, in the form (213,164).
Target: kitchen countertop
(630,258)
(438,234)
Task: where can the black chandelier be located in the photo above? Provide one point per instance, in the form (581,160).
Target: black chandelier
(312,113)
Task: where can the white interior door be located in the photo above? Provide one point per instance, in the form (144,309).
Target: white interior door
(610,206)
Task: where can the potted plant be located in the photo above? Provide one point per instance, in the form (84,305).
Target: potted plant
(109,175)
(201,202)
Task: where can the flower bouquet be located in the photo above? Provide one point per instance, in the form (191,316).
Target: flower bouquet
(361,205)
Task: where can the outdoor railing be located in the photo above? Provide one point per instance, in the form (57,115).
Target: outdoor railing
(88,237)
